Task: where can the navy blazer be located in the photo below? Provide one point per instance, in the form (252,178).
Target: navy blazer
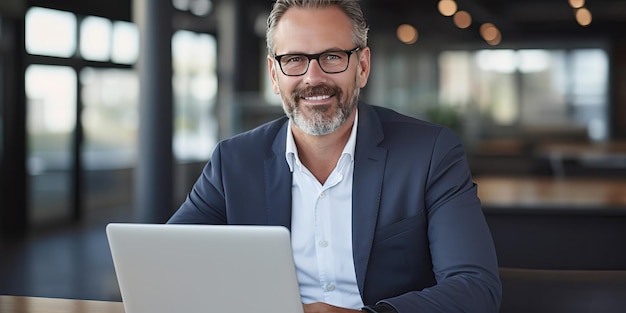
(420,240)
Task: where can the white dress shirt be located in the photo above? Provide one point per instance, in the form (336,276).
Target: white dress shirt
(321,229)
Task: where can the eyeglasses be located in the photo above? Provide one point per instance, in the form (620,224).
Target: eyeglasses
(331,62)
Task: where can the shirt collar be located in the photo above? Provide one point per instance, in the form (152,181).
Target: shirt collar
(291,151)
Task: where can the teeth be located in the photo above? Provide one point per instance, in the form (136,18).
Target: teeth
(317,98)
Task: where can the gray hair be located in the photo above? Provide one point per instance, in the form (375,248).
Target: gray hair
(350,7)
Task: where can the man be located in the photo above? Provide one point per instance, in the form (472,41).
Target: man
(382,210)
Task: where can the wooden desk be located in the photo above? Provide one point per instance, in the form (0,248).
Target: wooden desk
(17,304)
(546,192)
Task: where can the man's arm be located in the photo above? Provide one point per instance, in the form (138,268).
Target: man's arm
(462,250)
(205,202)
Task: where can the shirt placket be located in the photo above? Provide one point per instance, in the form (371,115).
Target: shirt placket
(323,235)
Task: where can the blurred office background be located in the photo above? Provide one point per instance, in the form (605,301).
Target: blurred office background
(92,91)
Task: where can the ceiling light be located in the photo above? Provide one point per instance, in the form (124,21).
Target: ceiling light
(583,16)
(496,40)
(489,31)
(462,19)
(407,34)
(577,3)
(447,7)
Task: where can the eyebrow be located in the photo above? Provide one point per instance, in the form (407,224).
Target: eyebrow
(327,50)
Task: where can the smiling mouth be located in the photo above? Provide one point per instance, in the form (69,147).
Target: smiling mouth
(315,94)
(317,98)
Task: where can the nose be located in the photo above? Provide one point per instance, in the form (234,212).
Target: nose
(314,74)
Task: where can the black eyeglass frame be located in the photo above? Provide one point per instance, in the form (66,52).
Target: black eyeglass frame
(316,57)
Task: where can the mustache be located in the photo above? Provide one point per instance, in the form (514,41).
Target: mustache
(312,91)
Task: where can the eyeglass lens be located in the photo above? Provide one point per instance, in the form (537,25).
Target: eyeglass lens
(330,62)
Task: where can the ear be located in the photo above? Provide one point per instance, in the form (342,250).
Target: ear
(273,74)
(364,66)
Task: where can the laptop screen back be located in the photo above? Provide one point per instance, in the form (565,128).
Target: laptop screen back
(204,268)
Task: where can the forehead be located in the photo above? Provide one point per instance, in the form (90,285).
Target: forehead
(313,30)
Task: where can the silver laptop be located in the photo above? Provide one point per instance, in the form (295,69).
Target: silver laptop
(202,268)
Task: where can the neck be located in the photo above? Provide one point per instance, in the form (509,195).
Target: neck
(320,154)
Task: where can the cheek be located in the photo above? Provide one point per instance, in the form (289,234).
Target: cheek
(285,86)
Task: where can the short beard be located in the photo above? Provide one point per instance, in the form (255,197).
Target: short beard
(318,124)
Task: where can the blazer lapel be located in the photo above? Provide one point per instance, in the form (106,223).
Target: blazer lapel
(278,180)
(369,167)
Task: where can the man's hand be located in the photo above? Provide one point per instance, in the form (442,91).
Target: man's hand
(320,307)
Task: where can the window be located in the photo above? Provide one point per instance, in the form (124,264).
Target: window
(95,38)
(109,117)
(108,97)
(530,88)
(50,32)
(103,40)
(195,91)
(51,119)
(125,48)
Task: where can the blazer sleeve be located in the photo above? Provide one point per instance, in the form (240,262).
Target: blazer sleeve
(461,246)
(205,203)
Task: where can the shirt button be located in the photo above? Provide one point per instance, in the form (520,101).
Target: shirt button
(330,287)
(323,243)
(322,195)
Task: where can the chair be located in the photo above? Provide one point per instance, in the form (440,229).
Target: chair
(570,291)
